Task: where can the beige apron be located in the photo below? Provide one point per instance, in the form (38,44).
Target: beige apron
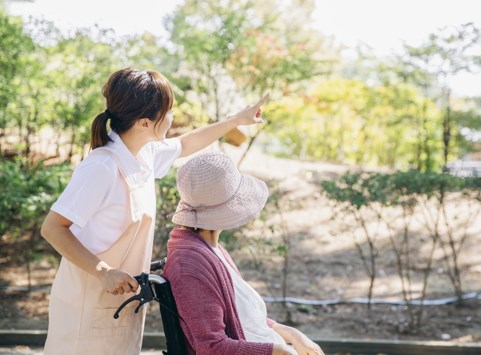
(81,312)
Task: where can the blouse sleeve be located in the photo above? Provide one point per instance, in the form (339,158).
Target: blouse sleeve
(203,315)
(87,189)
(164,153)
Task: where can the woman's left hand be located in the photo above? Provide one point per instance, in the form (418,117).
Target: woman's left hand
(251,114)
(302,344)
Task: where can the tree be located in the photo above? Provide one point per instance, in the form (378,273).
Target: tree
(445,54)
(204,35)
(284,55)
(347,121)
(15,46)
(79,67)
(283,52)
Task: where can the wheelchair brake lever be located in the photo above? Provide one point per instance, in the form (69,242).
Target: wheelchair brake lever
(144,296)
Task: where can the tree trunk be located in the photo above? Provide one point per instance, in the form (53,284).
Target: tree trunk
(428,163)
(447,129)
(251,142)
(72,144)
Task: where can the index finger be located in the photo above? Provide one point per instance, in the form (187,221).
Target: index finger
(263,100)
(133,284)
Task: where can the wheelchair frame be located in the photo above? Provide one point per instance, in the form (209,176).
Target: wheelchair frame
(155,287)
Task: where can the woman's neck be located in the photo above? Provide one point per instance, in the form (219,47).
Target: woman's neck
(134,141)
(210,237)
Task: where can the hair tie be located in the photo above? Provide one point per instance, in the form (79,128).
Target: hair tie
(108,113)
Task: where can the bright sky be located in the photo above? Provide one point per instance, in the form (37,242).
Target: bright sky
(381,24)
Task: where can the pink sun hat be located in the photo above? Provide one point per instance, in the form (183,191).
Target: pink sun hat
(215,195)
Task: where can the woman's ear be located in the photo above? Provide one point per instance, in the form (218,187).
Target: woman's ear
(143,122)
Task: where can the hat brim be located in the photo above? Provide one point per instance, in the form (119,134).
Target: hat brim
(245,205)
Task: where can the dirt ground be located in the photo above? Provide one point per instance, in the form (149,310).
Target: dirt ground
(323,265)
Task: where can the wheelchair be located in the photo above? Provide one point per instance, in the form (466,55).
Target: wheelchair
(155,287)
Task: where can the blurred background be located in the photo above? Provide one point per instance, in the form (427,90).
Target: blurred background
(371,147)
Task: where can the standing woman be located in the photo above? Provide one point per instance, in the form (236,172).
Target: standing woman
(103,222)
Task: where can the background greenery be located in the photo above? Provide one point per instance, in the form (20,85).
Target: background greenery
(396,112)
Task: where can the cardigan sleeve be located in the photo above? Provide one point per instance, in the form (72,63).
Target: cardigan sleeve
(203,315)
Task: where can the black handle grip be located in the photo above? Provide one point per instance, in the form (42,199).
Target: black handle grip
(158,264)
(144,296)
(126,302)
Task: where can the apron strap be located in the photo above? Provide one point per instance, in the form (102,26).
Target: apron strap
(108,152)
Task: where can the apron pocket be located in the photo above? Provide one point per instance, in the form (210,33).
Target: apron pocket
(104,324)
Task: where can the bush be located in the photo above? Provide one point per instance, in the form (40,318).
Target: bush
(447,206)
(26,194)
(167,200)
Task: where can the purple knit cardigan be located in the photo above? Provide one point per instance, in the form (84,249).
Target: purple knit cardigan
(205,298)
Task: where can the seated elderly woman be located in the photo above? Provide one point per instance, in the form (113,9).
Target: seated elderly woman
(220,312)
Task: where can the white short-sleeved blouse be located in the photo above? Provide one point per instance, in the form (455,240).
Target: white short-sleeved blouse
(96,199)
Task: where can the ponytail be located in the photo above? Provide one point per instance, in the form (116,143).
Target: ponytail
(98,131)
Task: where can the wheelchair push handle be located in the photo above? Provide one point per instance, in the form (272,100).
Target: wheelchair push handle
(158,264)
(144,296)
(146,293)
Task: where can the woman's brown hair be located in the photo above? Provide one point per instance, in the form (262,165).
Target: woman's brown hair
(130,95)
